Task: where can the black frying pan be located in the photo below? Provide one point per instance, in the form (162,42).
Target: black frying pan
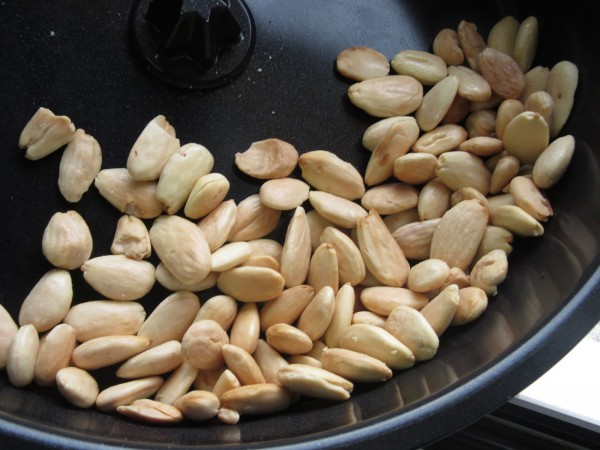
(77,58)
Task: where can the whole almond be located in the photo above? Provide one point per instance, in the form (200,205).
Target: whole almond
(67,241)
(126,393)
(440,310)
(288,339)
(45,133)
(375,132)
(314,382)
(536,79)
(327,172)
(526,136)
(368,318)
(360,63)
(503,34)
(317,315)
(434,200)
(355,366)
(295,256)
(48,302)
(526,42)
(253,220)
(283,193)
(411,328)
(77,386)
(426,67)
(245,330)
(489,271)
(436,103)
(471,85)
(269,360)
(502,72)
(507,111)
(151,411)
(198,405)
(383,299)
(168,281)
(473,301)
(481,122)
(317,223)
(202,344)
(494,238)
(415,238)
(207,193)
(220,308)
(267,159)
(471,42)
(462,169)
(152,150)
(56,348)
(22,354)
(226,382)
(242,364)
(553,162)
(415,168)
(160,359)
(257,399)
(482,146)
(118,277)
(447,47)
(251,284)
(392,95)
(217,225)
(181,247)
(441,139)
(506,169)
(428,275)
(529,197)
(286,307)
(342,315)
(468,193)
(390,198)
(107,350)
(340,211)
(516,220)
(8,328)
(542,103)
(229,256)
(80,163)
(177,384)
(323,269)
(131,238)
(562,84)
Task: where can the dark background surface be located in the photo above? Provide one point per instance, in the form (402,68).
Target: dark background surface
(76,59)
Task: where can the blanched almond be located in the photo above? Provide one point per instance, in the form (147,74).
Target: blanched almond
(415,168)
(245,329)
(440,310)
(317,315)
(77,386)
(526,42)
(562,84)
(526,136)
(158,360)
(220,308)
(375,133)
(392,95)
(315,382)
(426,67)
(390,198)
(67,241)
(360,63)
(447,47)
(355,366)
(217,225)
(441,139)
(80,163)
(202,344)
(207,193)
(507,111)
(8,328)
(325,171)
(251,284)
(45,133)
(553,162)
(471,42)
(489,271)
(286,307)
(502,72)
(436,103)
(126,393)
(461,169)
(253,220)
(503,34)
(340,211)
(22,354)
(411,328)
(530,198)
(415,238)
(284,193)
(471,85)
(270,158)
(323,269)
(383,299)
(295,255)
(434,200)
(107,350)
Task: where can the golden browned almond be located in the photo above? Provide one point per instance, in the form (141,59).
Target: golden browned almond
(526,136)
(503,34)
(253,220)
(152,150)
(323,269)
(542,103)
(181,247)
(257,399)
(317,315)
(516,220)
(228,416)
(368,318)
(434,200)
(325,171)
(22,353)
(284,193)
(107,350)
(472,303)
(459,234)
(471,85)
(202,344)
(392,95)
(494,238)
(288,339)
(529,197)
(207,193)
(462,169)
(342,315)
(295,255)
(160,359)
(269,360)
(482,146)
(415,238)
(245,329)
(355,366)
(129,196)
(441,139)
(411,328)
(168,281)
(180,173)
(177,384)
(56,348)
(506,169)
(562,84)
(471,42)
(217,225)
(198,405)
(77,386)
(502,73)
(441,309)
(118,277)
(80,163)
(242,364)
(262,261)
(390,198)
(131,238)
(49,301)
(151,411)
(436,103)
(428,275)
(489,271)
(270,158)
(447,47)
(458,111)
(220,308)
(315,382)
(45,133)
(126,393)
(207,378)
(226,382)
(8,328)
(553,162)
(361,63)
(381,253)
(481,122)
(395,143)
(375,133)
(457,276)
(383,299)
(251,284)
(507,111)
(526,42)
(426,67)
(342,212)
(377,343)
(67,241)
(415,168)
(286,307)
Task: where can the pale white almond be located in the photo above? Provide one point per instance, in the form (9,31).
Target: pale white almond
(253,220)
(503,34)
(48,302)
(428,275)
(288,339)
(181,247)
(342,212)
(375,132)
(202,344)
(355,366)
(243,366)
(526,42)
(177,384)
(498,200)
(180,173)
(390,198)
(482,146)
(368,318)
(107,350)
(256,399)
(529,197)
(295,255)
(315,382)
(167,280)
(55,350)
(323,269)
(536,79)
(436,103)
(226,382)
(220,308)
(198,405)
(526,136)
(160,359)
(151,411)
(207,193)
(552,163)
(460,169)
(77,386)
(440,310)
(8,329)
(562,84)
(542,103)
(126,393)
(426,67)
(22,353)
(269,360)
(447,47)
(45,133)
(152,150)
(283,193)
(392,95)
(490,271)
(471,42)
(316,224)
(415,238)
(434,200)
(318,314)
(217,225)
(360,63)
(286,307)
(327,172)
(245,330)
(441,139)
(473,301)
(229,256)
(118,277)
(266,247)
(270,158)
(67,240)
(345,300)
(304,359)
(494,238)
(507,111)
(131,238)
(383,299)
(415,168)
(251,284)
(468,193)
(411,328)
(80,163)
(506,169)
(458,277)
(516,220)
(471,85)
(481,122)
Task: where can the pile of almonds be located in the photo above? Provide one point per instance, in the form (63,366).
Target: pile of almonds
(365,281)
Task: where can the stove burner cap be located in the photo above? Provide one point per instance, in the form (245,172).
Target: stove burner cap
(193,44)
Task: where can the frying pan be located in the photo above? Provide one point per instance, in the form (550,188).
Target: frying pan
(77,58)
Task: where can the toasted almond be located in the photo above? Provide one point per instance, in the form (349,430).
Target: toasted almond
(251,284)
(241,363)
(529,197)
(226,382)
(338,210)
(151,411)
(482,146)
(315,382)
(229,256)
(462,169)
(458,277)
(459,234)
(506,169)
(208,378)
(131,238)
(441,309)
(390,198)
(392,95)
(177,384)
(503,34)
(107,350)
(253,220)
(45,133)
(342,315)
(426,67)
(471,85)
(383,299)
(472,303)
(168,281)
(553,162)
(494,238)
(395,221)
(245,330)
(481,122)
(317,315)
(217,225)
(458,111)
(55,351)
(158,360)
(415,238)
(415,168)
(436,103)
(375,133)
(253,399)
(22,354)
(411,328)
(428,275)
(507,111)
(434,200)
(67,241)
(295,255)
(447,47)
(49,301)
(471,42)
(262,261)
(284,193)
(502,72)
(562,84)
(198,405)
(228,416)
(126,393)
(526,42)
(516,220)
(323,270)
(207,193)
(316,224)
(325,171)
(355,366)
(202,344)
(361,63)
(369,318)
(288,339)
(441,139)
(270,158)
(468,193)
(77,386)
(8,328)
(489,271)
(286,307)
(80,163)
(220,308)
(269,360)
